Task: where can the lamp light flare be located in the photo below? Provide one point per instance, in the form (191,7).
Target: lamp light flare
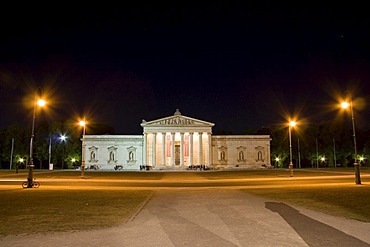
(344,105)
(292,123)
(82,123)
(41,102)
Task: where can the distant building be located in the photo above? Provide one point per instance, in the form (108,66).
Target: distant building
(176,142)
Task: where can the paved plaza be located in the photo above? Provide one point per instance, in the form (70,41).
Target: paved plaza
(212,217)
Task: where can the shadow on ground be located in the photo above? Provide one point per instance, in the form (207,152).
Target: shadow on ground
(313,232)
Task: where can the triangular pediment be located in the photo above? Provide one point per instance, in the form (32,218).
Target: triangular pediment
(177,120)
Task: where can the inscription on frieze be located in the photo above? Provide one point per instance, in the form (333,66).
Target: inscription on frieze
(175,121)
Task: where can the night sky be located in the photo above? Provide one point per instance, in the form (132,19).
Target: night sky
(240,66)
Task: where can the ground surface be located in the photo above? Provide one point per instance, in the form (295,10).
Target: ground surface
(206,215)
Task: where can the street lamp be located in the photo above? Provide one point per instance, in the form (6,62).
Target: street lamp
(62,138)
(73,160)
(323,161)
(83,124)
(345,105)
(291,124)
(277,162)
(21,160)
(38,102)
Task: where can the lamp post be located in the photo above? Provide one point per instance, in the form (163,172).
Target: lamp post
(83,124)
(50,168)
(323,160)
(345,104)
(291,124)
(40,102)
(277,162)
(73,160)
(21,160)
(62,138)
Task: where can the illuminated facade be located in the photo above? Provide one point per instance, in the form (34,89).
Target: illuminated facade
(176,142)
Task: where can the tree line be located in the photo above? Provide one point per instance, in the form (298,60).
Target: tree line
(48,144)
(327,144)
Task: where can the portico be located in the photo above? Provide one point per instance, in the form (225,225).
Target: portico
(177,141)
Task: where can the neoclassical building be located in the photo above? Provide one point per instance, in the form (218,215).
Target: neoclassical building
(176,142)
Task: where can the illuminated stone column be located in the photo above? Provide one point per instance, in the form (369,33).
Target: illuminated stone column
(268,157)
(190,149)
(163,149)
(172,149)
(154,149)
(200,148)
(144,149)
(209,135)
(181,149)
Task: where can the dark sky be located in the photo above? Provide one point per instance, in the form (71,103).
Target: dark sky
(240,66)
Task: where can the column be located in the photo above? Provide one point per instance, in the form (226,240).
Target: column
(268,156)
(154,149)
(172,149)
(144,149)
(190,149)
(200,134)
(181,149)
(163,149)
(209,149)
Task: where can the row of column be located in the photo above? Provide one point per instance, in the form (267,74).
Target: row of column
(153,151)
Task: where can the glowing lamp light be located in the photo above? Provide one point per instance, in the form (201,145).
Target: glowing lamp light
(82,123)
(292,123)
(344,105)
(41,102)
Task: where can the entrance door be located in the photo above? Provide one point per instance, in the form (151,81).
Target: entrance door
(177,154)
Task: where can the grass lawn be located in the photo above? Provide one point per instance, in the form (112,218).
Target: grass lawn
(28,211)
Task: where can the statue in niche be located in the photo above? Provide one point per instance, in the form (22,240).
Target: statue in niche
(131,156)
(222,155)
(241,156)
(92,156)
(259,156)
(111,156)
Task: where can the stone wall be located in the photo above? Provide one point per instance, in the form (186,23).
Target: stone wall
(113,152)
(245,151)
